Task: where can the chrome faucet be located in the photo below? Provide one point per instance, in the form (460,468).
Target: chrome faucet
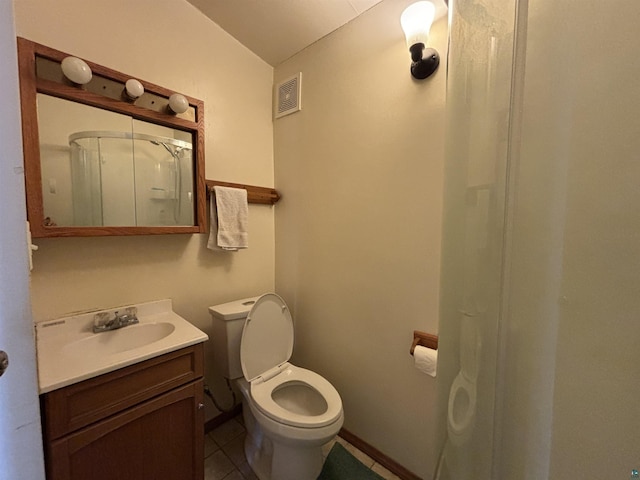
(102,322)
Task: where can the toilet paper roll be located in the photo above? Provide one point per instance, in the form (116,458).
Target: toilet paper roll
(426,360)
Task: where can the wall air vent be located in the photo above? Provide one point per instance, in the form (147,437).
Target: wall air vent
(288,96)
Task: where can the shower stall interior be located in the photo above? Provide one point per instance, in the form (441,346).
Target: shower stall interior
(124,178)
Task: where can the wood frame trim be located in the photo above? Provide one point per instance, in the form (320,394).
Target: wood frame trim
(30,85)
(387,462)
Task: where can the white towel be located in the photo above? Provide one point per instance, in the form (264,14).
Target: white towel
(229,219)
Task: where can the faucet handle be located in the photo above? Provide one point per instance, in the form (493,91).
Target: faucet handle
(129,316)
(100,319)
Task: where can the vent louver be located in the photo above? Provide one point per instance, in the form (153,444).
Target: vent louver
(288,96)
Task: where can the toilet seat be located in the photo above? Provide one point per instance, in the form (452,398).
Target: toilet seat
(262,394)
(265,350)
(267,337)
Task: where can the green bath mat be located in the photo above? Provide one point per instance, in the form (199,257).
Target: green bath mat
(341,465)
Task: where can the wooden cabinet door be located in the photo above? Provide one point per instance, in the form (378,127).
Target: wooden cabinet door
(160,439)
(77,406)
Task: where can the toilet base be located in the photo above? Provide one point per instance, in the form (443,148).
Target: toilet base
(290,463)
(271,459)
(259,454)
(282,462)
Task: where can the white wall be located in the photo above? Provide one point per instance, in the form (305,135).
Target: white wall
(20,438)
(358,228)
(595,403)
(572,331)
(199,59)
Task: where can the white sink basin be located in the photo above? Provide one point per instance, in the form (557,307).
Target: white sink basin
(69,351)
(121,340)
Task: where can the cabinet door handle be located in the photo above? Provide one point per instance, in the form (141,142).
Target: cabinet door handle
(200,406)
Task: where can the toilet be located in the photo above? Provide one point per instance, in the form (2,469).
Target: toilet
(289,412)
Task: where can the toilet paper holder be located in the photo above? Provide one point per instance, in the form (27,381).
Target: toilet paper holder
(425,339)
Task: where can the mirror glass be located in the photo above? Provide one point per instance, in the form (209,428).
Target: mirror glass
(101,168)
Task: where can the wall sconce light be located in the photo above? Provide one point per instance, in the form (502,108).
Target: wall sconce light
(416,22)
(178,103)
(76,70)
(133,88)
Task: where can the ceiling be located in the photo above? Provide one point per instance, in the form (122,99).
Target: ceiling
(278,29)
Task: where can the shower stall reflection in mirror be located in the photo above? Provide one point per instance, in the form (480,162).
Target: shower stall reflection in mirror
(124,178)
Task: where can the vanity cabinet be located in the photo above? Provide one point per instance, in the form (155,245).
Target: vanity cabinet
(142,422)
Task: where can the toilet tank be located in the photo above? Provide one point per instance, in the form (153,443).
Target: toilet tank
(228,322)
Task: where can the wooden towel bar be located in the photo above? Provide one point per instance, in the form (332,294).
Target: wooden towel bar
(264,195)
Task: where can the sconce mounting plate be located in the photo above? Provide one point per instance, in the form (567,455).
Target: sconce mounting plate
(425,61)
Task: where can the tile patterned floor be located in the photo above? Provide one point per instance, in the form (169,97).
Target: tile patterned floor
(224,454)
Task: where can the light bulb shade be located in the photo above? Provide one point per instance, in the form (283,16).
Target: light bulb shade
(133,88)
(76,70)
(416,22)
(178,103)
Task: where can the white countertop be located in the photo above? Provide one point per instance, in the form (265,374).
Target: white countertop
(68,352)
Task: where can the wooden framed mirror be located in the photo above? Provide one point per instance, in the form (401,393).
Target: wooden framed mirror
(99,162)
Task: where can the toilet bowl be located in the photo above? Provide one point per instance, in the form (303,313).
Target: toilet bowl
(290,412)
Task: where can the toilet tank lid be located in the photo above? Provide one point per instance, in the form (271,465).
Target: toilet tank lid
(233,310)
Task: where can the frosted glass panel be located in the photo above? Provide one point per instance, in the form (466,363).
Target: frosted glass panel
(85,179)
(478,103)
(541,245)
(164,175)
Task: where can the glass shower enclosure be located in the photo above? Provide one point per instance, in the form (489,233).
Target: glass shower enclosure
(540,294)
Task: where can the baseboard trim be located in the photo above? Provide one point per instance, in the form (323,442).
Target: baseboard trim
(221,418)
(388,463)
